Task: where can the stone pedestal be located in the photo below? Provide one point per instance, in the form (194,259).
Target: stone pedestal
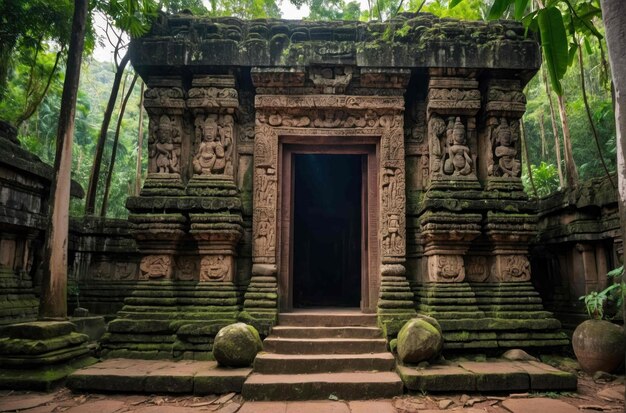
(39,355)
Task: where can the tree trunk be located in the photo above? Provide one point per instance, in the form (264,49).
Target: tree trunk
(555,131)
(525,155)
(90,200)
(570,166)
(542,131)
(139,145)
(614,19)
(53,303)
(583,89)
(107,186)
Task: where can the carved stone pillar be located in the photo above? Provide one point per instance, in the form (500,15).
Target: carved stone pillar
(509,235)
(164,101)
(446,228)
(213,101)
(447,237)
(451,112)
(499,141)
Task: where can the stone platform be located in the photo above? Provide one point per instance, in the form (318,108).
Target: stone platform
(487,376)
(158,376)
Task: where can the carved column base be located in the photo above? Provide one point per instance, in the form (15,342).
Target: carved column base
(211,185)
(445,266)
(163,184)
(455,183)
(395,303)
(506,185)
(260,306)
(509,236)
(509,268)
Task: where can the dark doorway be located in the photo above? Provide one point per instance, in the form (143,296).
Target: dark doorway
(327,230)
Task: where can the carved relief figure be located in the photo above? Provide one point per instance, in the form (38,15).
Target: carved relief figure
(459,160)
(436,130)
(155,266)
(393,242)
(504,142)
(225,132)
(214,268)
(164,153)
(264,235)
(210,149)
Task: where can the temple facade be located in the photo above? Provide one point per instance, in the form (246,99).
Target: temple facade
(298,164)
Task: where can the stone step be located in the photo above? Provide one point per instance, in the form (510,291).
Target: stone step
(272,363)
(346,386)
(327,319)
(326,332)
(324,345)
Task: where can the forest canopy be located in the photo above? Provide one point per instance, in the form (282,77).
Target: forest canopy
(34,39)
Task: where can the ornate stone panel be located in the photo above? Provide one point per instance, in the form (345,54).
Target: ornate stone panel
(164,101)
(452,143)
(500,142)
(333,116)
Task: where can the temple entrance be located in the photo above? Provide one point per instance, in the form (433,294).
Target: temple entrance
(327,230)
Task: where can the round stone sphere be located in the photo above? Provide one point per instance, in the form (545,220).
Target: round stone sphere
(236,345)
(419,340)
(598,345)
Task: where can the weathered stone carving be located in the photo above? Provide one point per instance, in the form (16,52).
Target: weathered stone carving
(331,79)
(504,139)
(215,268)
(215,145)
(446,268)
(458,160)
(155,267)
(345,116)
(186,268)
(164,146)
(510,268)
(476,268)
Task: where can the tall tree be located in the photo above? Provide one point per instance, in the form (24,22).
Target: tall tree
(53,303)
(132,17)
(107,185)
(614,17)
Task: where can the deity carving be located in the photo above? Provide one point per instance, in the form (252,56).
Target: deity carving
(165,148)
(504,139)
(214,156)
(458,161)
(214,268)
(155,266)
(264,234)
(186,268)
(393,241)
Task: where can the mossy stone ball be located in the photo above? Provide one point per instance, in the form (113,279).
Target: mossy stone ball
(236,345)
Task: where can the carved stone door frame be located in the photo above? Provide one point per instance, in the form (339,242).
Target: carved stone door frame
(369,149)
(330,119)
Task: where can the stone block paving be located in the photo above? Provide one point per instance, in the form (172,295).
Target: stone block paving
(591,397)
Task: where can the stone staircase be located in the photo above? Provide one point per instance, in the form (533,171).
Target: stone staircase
(313,355)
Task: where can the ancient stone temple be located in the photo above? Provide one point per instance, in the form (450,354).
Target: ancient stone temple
(325,183)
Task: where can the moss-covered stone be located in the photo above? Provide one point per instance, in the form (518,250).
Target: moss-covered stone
(419,341)
(236,345)
(37,330)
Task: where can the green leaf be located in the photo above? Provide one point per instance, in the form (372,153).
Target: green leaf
(573,48)
(498,8)
(520,8)
(454,3)
(617,272)
(554,45)
(530,21)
